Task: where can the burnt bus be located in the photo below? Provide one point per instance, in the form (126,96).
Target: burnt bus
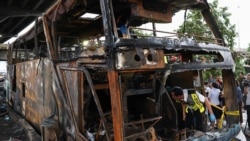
(76,78)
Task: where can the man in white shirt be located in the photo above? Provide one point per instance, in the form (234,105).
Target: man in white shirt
(192,106)
(213,97)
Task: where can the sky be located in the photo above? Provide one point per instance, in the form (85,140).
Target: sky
(238,9)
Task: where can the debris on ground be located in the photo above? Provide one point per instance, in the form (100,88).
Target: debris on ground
(13,127)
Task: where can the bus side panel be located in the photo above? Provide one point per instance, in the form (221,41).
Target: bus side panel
(33,87)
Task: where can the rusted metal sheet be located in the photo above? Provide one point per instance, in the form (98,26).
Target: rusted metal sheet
(137,9)
(116,104)
(230,95)
(132,59)
(32,95)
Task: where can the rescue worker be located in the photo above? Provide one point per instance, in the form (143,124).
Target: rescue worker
(193,107)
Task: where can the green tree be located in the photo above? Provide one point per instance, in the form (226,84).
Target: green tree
(194,23)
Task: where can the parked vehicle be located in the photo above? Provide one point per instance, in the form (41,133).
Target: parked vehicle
(76,78)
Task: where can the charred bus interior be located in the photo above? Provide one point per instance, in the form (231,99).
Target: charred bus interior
(76,78)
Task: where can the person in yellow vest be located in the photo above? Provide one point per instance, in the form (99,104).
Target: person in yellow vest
(193,107)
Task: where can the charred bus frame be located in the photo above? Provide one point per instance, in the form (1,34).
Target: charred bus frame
(116,86)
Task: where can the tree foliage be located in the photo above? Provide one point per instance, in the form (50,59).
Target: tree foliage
(195,23)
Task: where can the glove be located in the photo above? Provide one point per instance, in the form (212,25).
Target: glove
(212,117)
